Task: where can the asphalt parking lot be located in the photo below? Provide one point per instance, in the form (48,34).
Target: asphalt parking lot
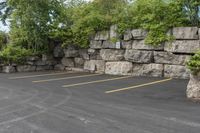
(79,102)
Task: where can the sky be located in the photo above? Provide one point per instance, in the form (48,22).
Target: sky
(4,28)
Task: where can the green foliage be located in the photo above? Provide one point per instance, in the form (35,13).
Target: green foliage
(84,19)
(35,23)
(155,16)
(31,22)
(3,39)
(14,54)
(194,63)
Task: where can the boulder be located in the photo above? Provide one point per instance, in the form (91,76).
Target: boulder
(127,35)
(71,53)
(95,66)
(26,68)
(183,46)
(138,56)
(140,45)
(102,36)
(176,71)
(84,54)
(185,33)
(109,44)
(8,69)
(127,44)
(113,31)
(119,68)
(79,62)
(59,67)
(58,52)
(68,62)
(193,88)
(95,44)
(112,55)
(170,58)
(139,33)
(151,70)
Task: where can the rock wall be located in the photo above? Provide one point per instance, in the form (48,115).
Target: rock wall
(31,64)
(129,56)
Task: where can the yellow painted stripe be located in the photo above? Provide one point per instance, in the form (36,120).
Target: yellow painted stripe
(96,81)
(73,77)
(41,75)
(137,86)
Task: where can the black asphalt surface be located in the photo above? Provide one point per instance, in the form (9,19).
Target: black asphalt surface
(28,105)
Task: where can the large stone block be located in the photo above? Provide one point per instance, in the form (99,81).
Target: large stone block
(139,33)
(109,44)
(112,55)
(176,71)
(40,63)
(113,31)
(46,57)
(26,68)
(170,58)
(94,54)
(151,70)
(138,56)
(95,44)
(68,62)
(128,35)
(58,52)
(119,68)
(59,67)
(102,35)
(140,45)
(71,53)
(84,54)
(44,68)
(8,69)
(79,62)
(185,32)
(183,46)
(95,66)
(127,44)
(193,88)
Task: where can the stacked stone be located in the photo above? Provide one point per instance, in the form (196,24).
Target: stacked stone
(71,58)
(134,57)
(32,64)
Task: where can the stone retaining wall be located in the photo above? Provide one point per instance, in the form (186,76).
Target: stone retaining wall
(131,56)
(31,64)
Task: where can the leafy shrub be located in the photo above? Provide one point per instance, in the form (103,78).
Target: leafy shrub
(194,63)
(14,54)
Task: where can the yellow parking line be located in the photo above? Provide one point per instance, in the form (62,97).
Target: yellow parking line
(41,75)
(137,86)
(96,81)
(73,77)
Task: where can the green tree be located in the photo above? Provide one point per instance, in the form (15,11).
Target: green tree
(3,39)
(31,22)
